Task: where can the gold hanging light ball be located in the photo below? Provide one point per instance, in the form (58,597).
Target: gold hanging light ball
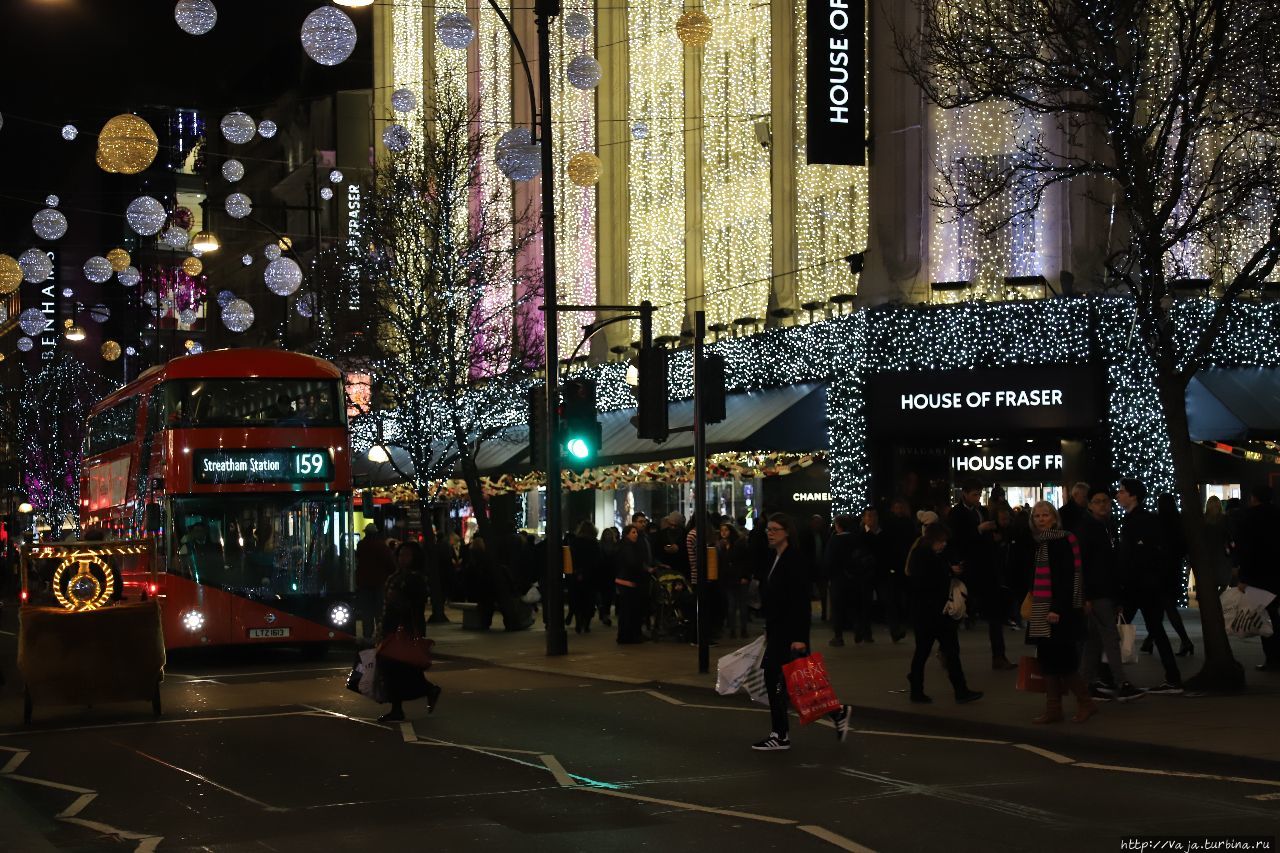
(127,145)
(285,244)
(119,259)
(584,169)
(694,28)
(10,275)
(192,267)
(110,350)
(68,323)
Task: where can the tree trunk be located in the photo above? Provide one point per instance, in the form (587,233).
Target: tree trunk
(475,493)
(435,571)
(1221,672)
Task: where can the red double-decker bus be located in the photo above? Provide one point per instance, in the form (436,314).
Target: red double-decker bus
(237,462)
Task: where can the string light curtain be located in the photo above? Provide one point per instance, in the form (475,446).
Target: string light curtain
(656,263)
(736,198)
(407,21)
(575,116)
(832,211)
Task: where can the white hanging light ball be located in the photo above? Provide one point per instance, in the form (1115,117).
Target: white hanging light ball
(577,25)
(328,36)
(196,347)
(237,315)
(36,266)
(232,171)
(98,269)
(52,200)
(145,216)
(67,293)
(69,132)
(455,30)
(195,17)
(237,127)
(516,155)
(404,101)
(238,206)
(225,298)
(306,305)
(584,72)
(335,176)
(397,138)
(267,128)
(32,321)
(25,344)
(129,276)
(326,193)
(149,298)
(49,224)
(175,237)
(283,276)
(247,260)
(271,251)
(99,313)
(640,130)
(130,351)
(187,316)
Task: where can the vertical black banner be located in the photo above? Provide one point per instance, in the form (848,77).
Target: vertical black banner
(835,80)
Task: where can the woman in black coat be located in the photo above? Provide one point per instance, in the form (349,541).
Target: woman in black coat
(632,586)
(787,608)
(405,606)
(929,575)
(584,548)
(1056,625)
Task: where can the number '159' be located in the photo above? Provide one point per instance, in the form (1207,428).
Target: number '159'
(309,463)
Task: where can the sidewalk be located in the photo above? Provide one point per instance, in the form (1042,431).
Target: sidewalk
(873,678)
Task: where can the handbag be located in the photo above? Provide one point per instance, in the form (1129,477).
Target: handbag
(809,688)
(410,651)
(1025,610)
(957,600)
(1030,678)
(1128,640)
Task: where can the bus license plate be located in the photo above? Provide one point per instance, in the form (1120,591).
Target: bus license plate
(263,633)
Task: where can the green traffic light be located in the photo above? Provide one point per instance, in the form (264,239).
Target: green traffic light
(578,448)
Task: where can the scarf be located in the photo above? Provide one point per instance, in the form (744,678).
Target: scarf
(1042,582)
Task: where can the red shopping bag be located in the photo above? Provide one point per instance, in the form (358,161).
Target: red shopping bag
(809,688)
(1030,679)
(412,651)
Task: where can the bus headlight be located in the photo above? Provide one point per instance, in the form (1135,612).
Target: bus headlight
(193,620)
(340,614)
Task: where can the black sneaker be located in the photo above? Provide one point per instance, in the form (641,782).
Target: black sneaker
(836,641)
(843,716)
(968,696)
(921,699)
(1101,694)
(772,743)
(1166,688)
(1127,693)
(433,696)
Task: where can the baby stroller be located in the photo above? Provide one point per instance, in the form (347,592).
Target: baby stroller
(673,607)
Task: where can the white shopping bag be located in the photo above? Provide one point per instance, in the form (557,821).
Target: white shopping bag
(1243,616)
(1128,640)
(733,669)
(755,687)
(368,663)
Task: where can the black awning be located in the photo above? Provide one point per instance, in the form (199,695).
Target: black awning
(1237,404)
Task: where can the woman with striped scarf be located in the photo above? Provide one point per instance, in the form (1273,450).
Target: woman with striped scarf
(1057,606)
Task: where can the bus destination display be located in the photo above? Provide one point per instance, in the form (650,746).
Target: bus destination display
(293,465)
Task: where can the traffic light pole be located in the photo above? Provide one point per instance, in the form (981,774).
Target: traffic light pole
(700,492)
(553,592)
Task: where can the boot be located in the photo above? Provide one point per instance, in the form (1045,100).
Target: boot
(1052,701)
(1085,707)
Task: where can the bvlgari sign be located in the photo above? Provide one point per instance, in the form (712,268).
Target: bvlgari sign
(835,76)
(985,403)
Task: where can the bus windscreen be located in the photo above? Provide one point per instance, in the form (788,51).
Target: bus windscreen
(253,403)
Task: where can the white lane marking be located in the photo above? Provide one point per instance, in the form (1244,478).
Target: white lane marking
(557,770)
(547,670)
(47,783)
(191,675)
(930,737)
(671,700)
(205,779)
(135,724)
(480,748)
(837,840)
(407,732)
(692,807)
(947,794)
(19,755)
(78,806)
(146,843)
(325,712)
(1179,773)
(8,633)
(1055,757)
(1275,796)
(620,692)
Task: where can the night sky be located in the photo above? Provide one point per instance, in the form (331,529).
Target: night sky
(83,61)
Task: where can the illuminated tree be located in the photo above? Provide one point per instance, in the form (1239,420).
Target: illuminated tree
(450,305)
(1166,109)
(52,415)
